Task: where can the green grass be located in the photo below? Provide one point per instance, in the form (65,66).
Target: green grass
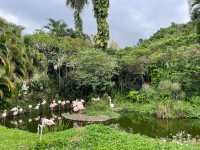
(15,139)
(100,108)
(94,137)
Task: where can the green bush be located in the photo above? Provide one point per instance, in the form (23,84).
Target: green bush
(136,96)
(195,100)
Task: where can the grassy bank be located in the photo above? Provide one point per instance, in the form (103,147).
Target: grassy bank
(168,109)
(95,137)
(165,109)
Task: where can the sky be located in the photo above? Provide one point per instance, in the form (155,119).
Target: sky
(129,20)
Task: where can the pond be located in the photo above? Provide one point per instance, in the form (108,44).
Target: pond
(129,121)
(29,120)
(157,128)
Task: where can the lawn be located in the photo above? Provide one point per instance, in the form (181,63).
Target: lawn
(93,137)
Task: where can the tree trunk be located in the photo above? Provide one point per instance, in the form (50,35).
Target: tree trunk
(101,8)
(78,21)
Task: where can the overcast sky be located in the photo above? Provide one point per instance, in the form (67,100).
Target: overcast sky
(129,19)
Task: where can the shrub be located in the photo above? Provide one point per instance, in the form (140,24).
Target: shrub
(195,100)
(168,89)
(138,97)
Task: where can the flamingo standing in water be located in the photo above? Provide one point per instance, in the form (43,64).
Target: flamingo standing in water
(53,105)
(14,109)
(37,118)
(20,121)
(15,113)
(63,105)
(110,102)
(4,115)
(43,102)
(37,106)
(20,110)
(67,102)
(30,107)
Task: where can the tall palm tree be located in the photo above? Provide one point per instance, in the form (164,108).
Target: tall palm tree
(78,6)
(195,15)
(101,8)
(194,9)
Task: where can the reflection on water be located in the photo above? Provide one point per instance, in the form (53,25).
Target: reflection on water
(150,126)
(29,120)
(129,121)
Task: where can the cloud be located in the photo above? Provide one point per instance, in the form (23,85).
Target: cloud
(129,20)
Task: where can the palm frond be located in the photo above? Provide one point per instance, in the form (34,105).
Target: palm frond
(1,94)
(6,83)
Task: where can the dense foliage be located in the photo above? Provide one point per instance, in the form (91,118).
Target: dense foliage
(74,65)
(164,67)
(16,61)
(170,56)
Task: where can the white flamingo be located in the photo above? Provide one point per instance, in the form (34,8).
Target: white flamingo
(54,117)
(110,103)
(14,123)
(37,118)
(30,107)
(67,102)
(15,113)
(4,115)
(20,110)
(20,121)
(14,109)
(43,102)
(37,107)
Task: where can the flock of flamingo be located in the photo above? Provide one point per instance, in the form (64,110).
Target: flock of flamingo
(76,106)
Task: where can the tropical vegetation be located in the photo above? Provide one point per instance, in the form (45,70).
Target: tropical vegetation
(159,77)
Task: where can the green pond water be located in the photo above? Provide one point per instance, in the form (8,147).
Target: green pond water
(129,121)
(134,123)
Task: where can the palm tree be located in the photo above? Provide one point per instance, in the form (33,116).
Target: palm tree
(14,62)
(78,6)
(56,27)
(101,8)
(6,85)
(195,15)
(194,9)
